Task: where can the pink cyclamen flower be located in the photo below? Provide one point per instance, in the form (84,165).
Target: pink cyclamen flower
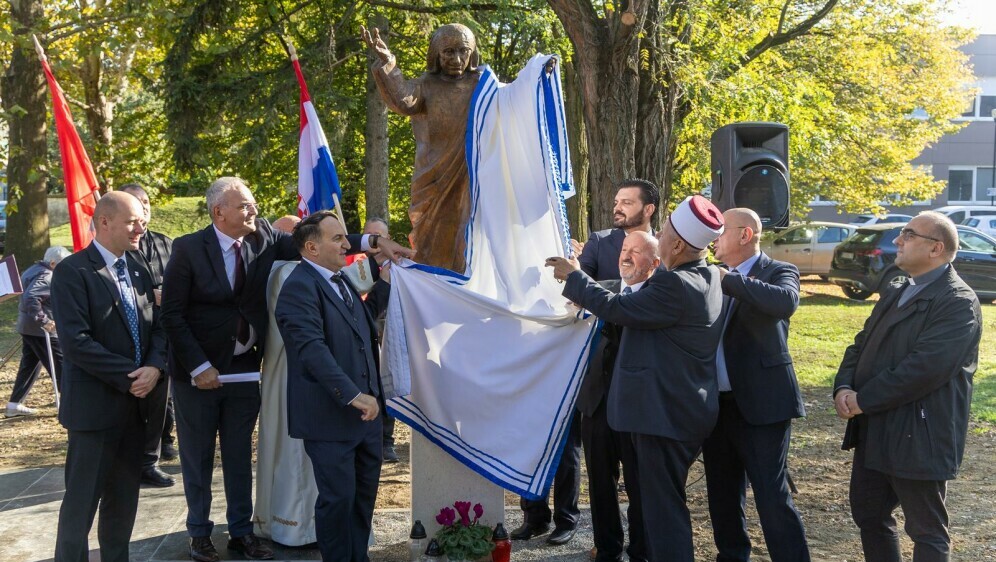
(446,517)
(463,508)
(478,511)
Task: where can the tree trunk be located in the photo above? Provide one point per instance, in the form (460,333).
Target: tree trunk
(24,101)
(606,50)
(376,160)
(577,206)
(654,131)
(99,110)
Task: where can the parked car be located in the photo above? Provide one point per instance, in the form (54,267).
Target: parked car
(865,263)
(983,223)
(808,246)
(865,220)
(959,213)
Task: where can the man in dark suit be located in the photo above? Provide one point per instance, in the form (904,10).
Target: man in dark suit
(905,387)
(114,354)
(758,398)
(333,384)
(663,390)
(214,312)
(154,249)
(605,449)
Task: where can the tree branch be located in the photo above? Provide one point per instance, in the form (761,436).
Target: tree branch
(84,25)
(778,38)
(437,10)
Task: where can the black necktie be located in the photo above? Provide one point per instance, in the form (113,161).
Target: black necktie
(242,334)
(343,291)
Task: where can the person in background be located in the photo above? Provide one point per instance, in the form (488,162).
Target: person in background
(154,248)
(34,320)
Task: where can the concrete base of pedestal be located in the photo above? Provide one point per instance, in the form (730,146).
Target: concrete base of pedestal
(438,480)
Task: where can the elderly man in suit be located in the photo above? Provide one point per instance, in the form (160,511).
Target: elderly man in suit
(604,448)
(34,320)
(333,384)
(634,207)
(114,355)
(214,312)
(628,252)
(664,387)
(758,398)
(154,249)
(905,387)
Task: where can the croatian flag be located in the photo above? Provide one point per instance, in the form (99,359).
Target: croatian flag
(317,181)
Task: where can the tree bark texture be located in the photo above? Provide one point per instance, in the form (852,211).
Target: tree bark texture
(607,54)
(376,161)
(577,206)
(24,101)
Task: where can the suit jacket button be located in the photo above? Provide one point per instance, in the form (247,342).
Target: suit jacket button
(233,338)
(362,348)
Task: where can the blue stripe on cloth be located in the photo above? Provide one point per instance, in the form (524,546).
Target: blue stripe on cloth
(551,130)
(540,482)
(457,441)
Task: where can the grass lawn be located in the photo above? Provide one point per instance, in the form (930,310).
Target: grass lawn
(826,323)
(180,216)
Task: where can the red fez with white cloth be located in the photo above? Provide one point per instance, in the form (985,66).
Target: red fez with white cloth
(697,221)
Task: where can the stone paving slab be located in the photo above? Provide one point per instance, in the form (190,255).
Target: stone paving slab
(29,512)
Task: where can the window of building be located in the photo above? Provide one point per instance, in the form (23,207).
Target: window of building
(986,106)
(983,181)
(981,107)
(960,184)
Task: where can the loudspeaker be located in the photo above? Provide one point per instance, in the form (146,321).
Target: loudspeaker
(750,169)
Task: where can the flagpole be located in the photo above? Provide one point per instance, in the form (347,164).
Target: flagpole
(292,52)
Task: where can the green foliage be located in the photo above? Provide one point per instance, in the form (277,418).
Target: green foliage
(461,542)
(181,215)
(848,91)
(825,325)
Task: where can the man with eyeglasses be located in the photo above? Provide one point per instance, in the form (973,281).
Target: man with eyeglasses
(214,313)
(905,386)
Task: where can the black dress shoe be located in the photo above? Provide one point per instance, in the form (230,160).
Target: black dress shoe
(168,452)
(155,477)
(251,547)
(202,550)
(527,531)
(390,455)
(561,536)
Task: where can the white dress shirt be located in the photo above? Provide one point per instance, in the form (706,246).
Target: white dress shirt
(722,376)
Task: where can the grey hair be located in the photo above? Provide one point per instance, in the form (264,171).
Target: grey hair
(55,254)
(218,189)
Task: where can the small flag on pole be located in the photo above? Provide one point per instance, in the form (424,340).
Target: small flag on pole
(82,189)
(317,180)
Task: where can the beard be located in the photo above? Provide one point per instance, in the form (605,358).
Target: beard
(622,221)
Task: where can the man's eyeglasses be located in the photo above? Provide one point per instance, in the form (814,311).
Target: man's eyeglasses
(907,234)
(247,206)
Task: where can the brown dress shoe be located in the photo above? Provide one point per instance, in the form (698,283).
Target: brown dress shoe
(202,550)
(251,547)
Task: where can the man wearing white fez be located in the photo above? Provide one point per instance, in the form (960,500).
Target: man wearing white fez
(664,391)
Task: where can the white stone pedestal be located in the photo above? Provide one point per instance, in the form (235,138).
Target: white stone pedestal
(438,480)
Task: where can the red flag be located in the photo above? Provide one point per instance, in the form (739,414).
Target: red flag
(81,183)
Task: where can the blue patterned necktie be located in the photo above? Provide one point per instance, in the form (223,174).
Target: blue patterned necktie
(627,290)
(131,312)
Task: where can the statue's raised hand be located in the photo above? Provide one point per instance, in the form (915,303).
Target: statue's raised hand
(372,38)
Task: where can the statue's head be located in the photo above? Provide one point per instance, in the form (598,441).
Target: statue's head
(453,51)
